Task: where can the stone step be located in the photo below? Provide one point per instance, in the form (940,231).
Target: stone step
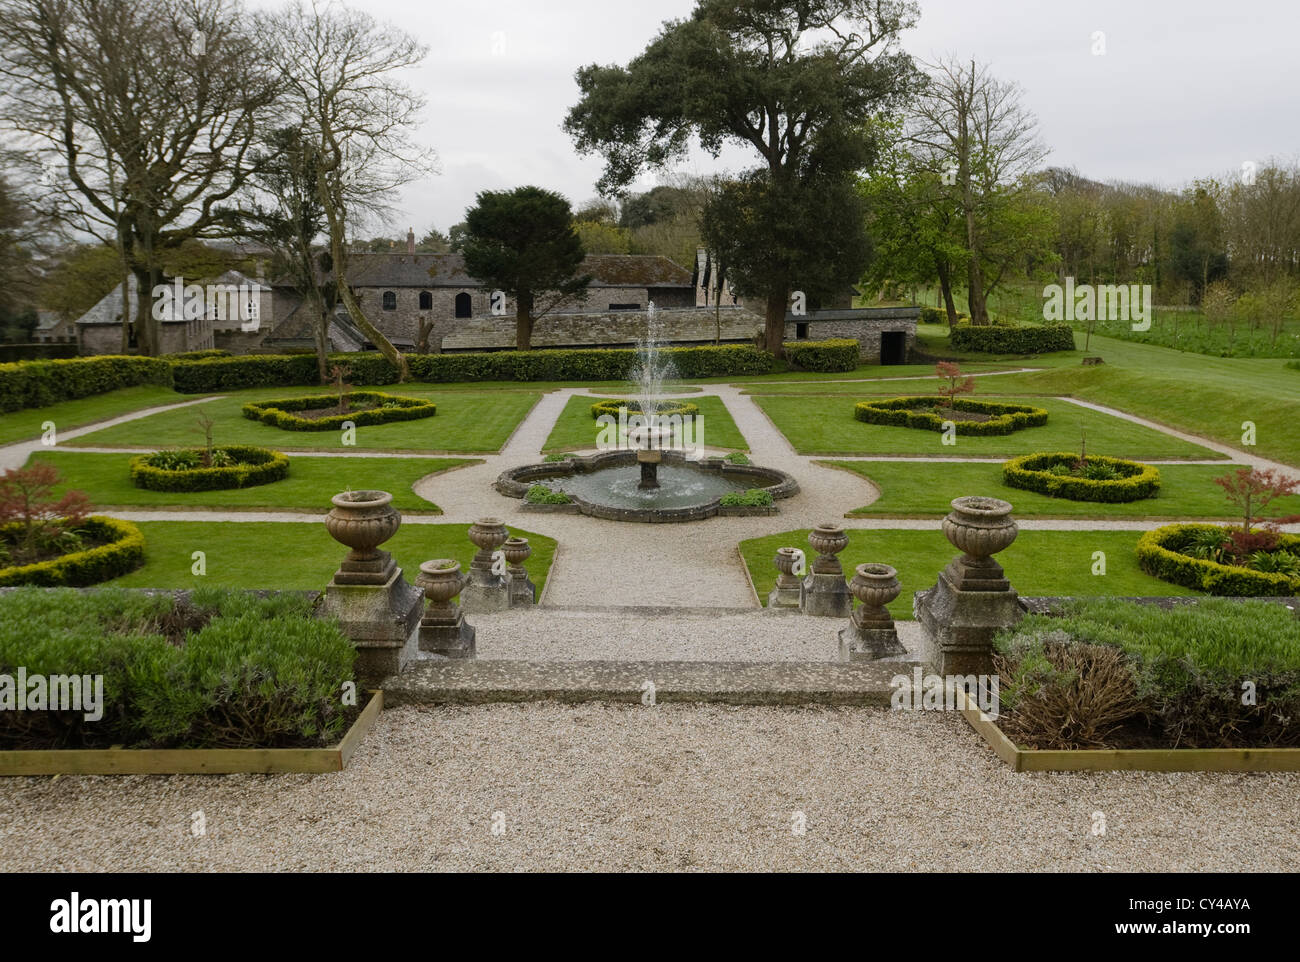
(438,682)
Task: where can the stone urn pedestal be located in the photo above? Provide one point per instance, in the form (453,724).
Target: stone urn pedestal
(522,590)
(825,593)
(443,629)
(871,636)
(972,600)
(374,604)
(488,589)
(788,592)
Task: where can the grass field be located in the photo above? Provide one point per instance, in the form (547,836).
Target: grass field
(820,426)
(1039,564)
(311,483)
(577,430)
(294,557)
(466,423)
(17,426)
(910,490)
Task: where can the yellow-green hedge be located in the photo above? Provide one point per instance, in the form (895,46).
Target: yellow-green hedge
(1160,554)
(1029,473)
(664,409)
(1007,418)
(123,553)
(280,413)
(254,466)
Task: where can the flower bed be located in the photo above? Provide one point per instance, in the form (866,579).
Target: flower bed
(664,410)
(182,471)
(383,409)
(117,548)
(903,412)
(1162,554)
(1062,476)
(1111,675)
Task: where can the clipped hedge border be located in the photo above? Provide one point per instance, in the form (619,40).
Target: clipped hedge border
(34,384)
(122,555)
(1035,339)
(280,413)
(665,410)
(1008,418)
(256,466)
(836,356)
(1029,473)
(1160,554)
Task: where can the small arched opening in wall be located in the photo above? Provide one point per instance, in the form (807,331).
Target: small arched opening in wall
(464,305)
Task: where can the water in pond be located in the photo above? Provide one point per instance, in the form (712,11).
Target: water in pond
(679,487)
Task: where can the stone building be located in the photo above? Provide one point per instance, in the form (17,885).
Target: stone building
(99,330)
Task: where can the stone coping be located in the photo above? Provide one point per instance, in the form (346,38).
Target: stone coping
(516,482)
(1052,606)
(441,682)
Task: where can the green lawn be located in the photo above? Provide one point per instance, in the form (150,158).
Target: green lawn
(311,483)
(467,423)
(577,430)
(17,426)
(1039,564)
(910,490)
(816,425)
(918,379)
(293,556)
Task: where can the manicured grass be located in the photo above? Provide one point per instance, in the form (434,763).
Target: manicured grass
(468,423)
(1039,564)
(311,483)
(816,425)
(294,556)
(911,490)
(577,430)
(17,426)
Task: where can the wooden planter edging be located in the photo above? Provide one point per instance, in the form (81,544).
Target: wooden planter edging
(196,761)
(1135,760)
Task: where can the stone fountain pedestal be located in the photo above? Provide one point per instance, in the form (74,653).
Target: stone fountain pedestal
(973,600)
(488,590)
(788,592)
(443,629)
(825,594)
(375,606)
(871,636)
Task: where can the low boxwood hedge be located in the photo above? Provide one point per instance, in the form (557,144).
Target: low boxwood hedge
(1034,339)
(122,553)
(838,356)
(34,384)
(253,466)
(392,408)
(1160,554)
(664,408)
(1031,473)
(1006,418)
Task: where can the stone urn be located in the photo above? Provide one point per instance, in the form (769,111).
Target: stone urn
(363,520)
(522,589)
(787,559)
(517,551)
(874,585)
(871,634)
(487,534)
(828,540)
(980,527)
(441,580)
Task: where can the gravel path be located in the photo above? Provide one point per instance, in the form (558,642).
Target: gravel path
(672,788)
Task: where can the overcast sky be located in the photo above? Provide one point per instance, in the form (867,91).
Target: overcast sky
(1186,87)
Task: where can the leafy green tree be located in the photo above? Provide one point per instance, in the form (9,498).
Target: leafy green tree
(598,238)
(1197,255)
(522,242)
(799,81)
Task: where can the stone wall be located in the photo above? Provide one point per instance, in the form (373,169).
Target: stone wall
(177,337)
(864,326)
(607,329)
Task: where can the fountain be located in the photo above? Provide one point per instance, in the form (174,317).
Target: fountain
(653,467)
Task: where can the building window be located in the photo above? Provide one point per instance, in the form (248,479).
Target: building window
(801,332)
(464,305)
(625,307)
(426,301)
(390,301)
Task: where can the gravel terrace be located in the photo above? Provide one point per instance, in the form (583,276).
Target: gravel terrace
(667,788)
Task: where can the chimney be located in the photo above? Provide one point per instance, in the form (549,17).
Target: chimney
(410,240)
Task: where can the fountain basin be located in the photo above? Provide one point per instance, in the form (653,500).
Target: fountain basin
(605,486)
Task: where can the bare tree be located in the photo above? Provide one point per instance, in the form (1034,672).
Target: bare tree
(339,64)
(972,130)
(145,113)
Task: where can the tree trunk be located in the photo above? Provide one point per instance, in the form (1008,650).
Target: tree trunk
(322,329)
(147,330)
(524,322)
(945,287)
(774,323)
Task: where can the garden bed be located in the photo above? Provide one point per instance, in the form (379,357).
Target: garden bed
(1065,475)
(232,467)
(112,548)
(324,412)
(665,409)
(1161,553)
(970,418)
